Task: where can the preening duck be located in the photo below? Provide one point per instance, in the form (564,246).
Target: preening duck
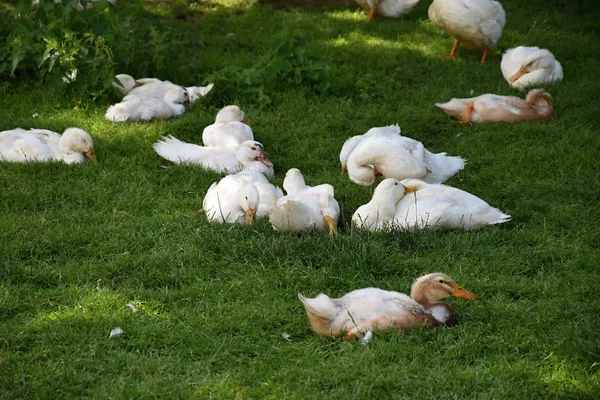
(416,204)
(249,156)
(350,144)
(526,66)
(399,157)
(73,146)
(537,106)
(229,130)
(374,309)
(305,208)
(476,24)
(239,198)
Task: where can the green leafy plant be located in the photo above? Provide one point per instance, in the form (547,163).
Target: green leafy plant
(284,63)
(79,43)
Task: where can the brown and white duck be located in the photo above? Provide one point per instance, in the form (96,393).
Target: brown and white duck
(373,309)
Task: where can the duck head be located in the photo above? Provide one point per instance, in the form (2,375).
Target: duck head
(76,145)
(391,189)
(248,199)
(430,289)
(251,150)
(539,98)
(231,114)
(293,182)
(178,95)
(537,60)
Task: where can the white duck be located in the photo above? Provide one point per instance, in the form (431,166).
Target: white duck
(350,144)
(476,24)
(307,209)
(374,309)
(399,157)
(249,156)
(18,145)
(145,108)
(154,87)
(526,66)
(429,207)
(229,130)
(387,8)
(239,198)
(378,214)
(537,106)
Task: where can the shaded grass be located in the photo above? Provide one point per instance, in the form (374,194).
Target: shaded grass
(80,242)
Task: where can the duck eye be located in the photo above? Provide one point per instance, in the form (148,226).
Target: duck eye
(396,184)
(253,148)
(441,281)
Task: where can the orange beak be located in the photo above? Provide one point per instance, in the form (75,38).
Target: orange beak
(522,71)
(90,154)
(331,224)
(250,216)
(463,293)
(408,190)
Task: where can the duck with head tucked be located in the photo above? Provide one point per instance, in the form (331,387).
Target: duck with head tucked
(229,130)
(399,157)
(537,106)
(374,309)
(526,66)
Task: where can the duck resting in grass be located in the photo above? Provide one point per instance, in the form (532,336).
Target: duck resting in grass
(399,157)
(373,309)
(414,204)
(537,106)
(135,107)
(526,66)
(387,8)
(305,208)
(476,24)
(350,144)
(249,156)
(229,130)
(240,198)
(154,87)
(39,145)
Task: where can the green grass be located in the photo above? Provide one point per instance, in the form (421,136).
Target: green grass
(77,243)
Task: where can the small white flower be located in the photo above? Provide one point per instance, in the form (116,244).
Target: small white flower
(286,336)
(116,332)
(132,307)
(35,115)
(471,92)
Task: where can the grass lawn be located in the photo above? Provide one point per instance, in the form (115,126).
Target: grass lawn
(80,242)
